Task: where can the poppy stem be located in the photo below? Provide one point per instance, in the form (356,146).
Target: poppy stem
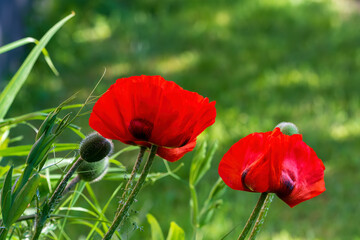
(48,206)
(72,184)
(132,176)
(253,215)
(123,212)
(262,215)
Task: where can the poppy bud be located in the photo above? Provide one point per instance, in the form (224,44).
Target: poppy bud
(93,171)
(95,147)
(288,128)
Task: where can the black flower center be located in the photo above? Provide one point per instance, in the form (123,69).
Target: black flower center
(141,128)
(243,176)
(287,184)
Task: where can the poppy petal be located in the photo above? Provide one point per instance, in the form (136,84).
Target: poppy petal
(150,110)
(274,162)
(242,156)
(302,174)
(174,154)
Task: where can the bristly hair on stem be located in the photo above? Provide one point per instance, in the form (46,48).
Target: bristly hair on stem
(123,212)
(132,176)
(48,206)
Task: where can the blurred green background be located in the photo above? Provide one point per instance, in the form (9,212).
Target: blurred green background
(262,61)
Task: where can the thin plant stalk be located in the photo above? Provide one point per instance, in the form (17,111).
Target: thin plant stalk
(121,215)
(57,194)
(71,185)
(262,215)
(3,233)
(253,216)
(132,176)
(195,210)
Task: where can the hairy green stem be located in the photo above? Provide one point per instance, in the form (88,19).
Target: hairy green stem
(121,215)
(57,194)
(132,176)
(253,216)
(71,184)
(262,215)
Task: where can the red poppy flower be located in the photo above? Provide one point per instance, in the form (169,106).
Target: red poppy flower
(145,110)
(274,162)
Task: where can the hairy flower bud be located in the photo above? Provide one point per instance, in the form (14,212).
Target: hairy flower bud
(95,147)
(93,171)
(288,128)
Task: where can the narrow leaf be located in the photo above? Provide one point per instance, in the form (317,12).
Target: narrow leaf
(24,41)
(201,162)
(175,232)
(6,197)
(24,150)
(156,233)
(9,93)
(22,200)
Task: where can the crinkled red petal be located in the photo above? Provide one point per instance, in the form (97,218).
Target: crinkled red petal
(303,173)
(174,154)
(151,109)
(274,162)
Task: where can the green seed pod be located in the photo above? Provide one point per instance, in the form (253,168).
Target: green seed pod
(93,171)
(95,147)
(288,128)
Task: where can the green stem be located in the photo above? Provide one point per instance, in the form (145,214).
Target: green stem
(253,216)
(71,184)
(132,176)
(262,215)
(121,215)
(194,210)
(49,206)
(3,233)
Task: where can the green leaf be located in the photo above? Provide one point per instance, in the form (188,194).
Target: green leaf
(175,232)
(156,233)
(38,115)
(9,93)
(48,124)
(3,170)
(201,162)
(24,150)
(211,204)
(6,196)
(22,199)
(27,40)
(207,216)
(39,150)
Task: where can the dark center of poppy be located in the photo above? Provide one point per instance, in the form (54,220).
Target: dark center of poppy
(243,176)
(287,184)
(141,128)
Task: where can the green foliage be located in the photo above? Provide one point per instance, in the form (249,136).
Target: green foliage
(156,232)
(6,197)
(24,150)
(27,40)
(201,162)
(9,93)
(22,200)
(175,232)
(200,165)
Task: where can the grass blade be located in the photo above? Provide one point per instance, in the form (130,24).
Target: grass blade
(24,41)
(9,93)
